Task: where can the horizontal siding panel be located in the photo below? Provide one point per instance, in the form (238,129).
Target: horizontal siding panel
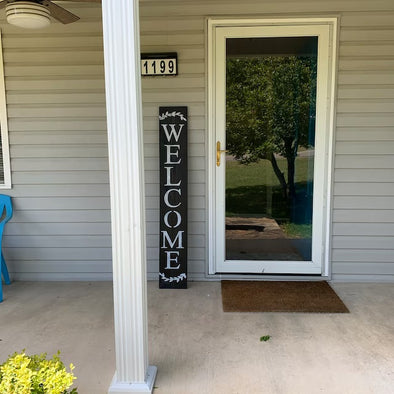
(366,92)
(57,241)
(368,20)
(54,56)
(57,177)
(367,34)
(58,228)
(372,229)
(363,202)
(91,25)
(365,148)
(185,82)
(66,216)
(383,48)
(178,25)
(356,64)
(61,124)
(60,191)
(364,161)
(58,138)
(53,41)
(364,189)
(59,254)
(362,216)
(363,242)
(55,70)
(180,96)
(365,134)
(366,106)
(66,151)
(68,97)
(57,164)
(364,268)
(364,256)
(66,266)
(236,8)
(365,78)
(63,276)
(55,111)
(84,82)
(383,278)
(365,120)
(364,175)
(60,203)
(187,38)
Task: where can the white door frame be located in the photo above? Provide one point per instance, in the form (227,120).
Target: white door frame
(218,31)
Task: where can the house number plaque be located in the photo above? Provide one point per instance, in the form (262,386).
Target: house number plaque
(173,197)
(159,64)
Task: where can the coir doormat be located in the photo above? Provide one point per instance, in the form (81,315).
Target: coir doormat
(286,296)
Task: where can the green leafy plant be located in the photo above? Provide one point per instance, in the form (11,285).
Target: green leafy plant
(265,338)
(35,374)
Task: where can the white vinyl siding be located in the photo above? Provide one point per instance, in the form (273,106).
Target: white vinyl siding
(57,131)
(58,142)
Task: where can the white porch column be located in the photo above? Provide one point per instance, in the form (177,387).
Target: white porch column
(124,121)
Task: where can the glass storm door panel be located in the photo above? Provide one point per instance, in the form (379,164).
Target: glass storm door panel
(270,185)
(270,139)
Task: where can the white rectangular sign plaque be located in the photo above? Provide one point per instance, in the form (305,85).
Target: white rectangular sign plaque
(159,64)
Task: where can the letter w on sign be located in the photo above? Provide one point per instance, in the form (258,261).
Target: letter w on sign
(173,197)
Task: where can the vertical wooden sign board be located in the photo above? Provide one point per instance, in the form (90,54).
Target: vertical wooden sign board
(173,197)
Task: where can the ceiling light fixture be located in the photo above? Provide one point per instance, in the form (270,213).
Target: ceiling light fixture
(28,15)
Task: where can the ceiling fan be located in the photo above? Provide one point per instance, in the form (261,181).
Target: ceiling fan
(35,13)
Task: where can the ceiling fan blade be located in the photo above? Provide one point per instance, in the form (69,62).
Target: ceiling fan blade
(59,13)
(3,4)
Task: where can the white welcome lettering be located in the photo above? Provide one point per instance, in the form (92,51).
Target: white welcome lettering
(173,132)
(171,242)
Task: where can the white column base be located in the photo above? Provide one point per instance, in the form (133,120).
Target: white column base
(135,388)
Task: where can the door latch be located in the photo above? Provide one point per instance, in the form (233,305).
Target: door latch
(218,152)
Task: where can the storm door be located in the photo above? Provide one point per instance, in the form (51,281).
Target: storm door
(271,146)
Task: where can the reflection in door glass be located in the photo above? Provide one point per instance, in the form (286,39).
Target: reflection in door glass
(270,138)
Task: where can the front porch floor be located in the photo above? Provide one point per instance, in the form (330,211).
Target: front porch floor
(198,349)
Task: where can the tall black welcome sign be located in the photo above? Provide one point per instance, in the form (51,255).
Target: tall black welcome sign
(173,197)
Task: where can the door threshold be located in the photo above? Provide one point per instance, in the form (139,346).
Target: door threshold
(289,277)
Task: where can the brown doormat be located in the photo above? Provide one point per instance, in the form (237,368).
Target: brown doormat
(268,296)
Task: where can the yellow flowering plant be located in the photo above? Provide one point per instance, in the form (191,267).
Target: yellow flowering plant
(22,374)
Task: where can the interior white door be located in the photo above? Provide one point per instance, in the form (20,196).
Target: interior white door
(271,104)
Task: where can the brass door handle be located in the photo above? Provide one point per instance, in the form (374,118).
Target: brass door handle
(218,152)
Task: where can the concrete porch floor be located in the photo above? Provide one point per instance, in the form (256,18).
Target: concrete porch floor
(199,349)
